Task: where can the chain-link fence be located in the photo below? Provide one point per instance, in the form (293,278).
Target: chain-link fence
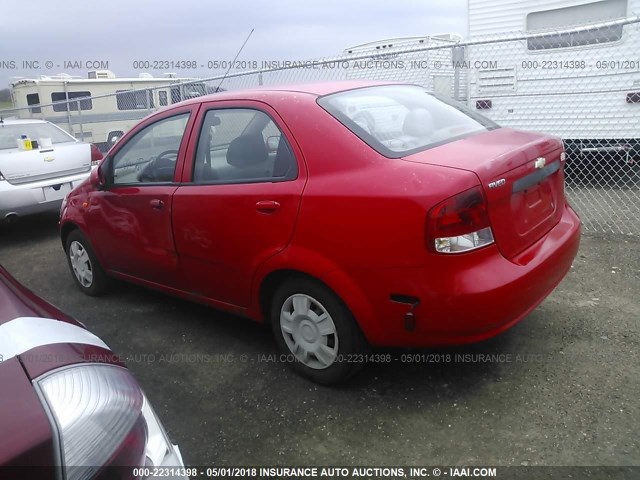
(581,84)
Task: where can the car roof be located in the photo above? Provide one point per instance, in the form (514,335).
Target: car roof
(316,89)
(21,121)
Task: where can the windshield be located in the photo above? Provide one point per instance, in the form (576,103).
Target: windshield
(9,133)
(397,120)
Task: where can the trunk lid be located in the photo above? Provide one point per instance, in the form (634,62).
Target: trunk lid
(522,176)
(16,300)
(61,159)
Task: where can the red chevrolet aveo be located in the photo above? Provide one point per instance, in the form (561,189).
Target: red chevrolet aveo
(344,214)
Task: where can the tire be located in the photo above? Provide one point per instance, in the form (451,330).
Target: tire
(338,340)
(85,268)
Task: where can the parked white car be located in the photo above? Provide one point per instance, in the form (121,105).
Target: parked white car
(38,179)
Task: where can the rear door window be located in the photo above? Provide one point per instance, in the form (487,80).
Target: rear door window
(241,145)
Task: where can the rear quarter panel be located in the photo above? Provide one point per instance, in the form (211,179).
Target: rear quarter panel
(26,437)
(359,209)
(18,301)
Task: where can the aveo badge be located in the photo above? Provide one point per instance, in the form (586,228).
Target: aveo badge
(497,183)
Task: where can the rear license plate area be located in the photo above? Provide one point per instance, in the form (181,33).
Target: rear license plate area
(56,192)
(538,205)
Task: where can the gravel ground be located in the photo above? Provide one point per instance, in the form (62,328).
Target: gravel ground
(561,388)
(602,209)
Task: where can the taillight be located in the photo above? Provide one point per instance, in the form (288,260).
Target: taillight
(460,223)
(96,155)
(97,410)
(103,419)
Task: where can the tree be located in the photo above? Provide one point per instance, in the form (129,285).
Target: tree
(5,95)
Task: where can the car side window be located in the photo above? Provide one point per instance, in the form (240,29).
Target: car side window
(239,145)
(150,155)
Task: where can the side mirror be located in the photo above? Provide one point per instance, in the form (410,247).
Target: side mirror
(272,143)
(97,178)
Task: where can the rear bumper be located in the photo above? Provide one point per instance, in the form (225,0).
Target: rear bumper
(469,297)
(36,197)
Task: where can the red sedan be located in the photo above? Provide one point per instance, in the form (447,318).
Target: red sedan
(344,214)
(68,406)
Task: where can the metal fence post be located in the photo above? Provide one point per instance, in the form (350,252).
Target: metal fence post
(66,97)
(80,120)
(457,57)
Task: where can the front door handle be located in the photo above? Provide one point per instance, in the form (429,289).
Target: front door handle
(156,203)
(267,206)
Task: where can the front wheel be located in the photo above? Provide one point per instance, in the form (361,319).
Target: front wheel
(84,265)
(316,331)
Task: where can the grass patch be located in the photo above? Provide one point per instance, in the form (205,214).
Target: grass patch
(4,105)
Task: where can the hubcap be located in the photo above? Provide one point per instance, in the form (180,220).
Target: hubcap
(309,331)
(81,264)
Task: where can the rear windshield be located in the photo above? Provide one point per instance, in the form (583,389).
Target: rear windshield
(9,133)
(398,120)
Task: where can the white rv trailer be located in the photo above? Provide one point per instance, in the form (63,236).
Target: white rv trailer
(102,107)
(582,86)
(431,68)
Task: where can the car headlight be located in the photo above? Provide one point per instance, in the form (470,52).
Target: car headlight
(102,419)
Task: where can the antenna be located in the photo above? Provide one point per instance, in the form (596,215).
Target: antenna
(234,60)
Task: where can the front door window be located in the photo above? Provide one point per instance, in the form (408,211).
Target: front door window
(150,156)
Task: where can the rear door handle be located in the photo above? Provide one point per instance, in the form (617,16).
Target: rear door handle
(156,203)
(267,206)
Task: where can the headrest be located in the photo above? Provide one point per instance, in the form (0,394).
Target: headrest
(247,150)
(418,123)
(284,161)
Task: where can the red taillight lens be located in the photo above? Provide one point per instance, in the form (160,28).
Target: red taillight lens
(459,223)
(96,155)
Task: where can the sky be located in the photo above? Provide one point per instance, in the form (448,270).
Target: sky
(126,32)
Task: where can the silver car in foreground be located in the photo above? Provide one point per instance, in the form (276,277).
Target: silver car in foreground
(37,180)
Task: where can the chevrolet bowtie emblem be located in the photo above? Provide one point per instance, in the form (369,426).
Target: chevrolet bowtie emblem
(540,162)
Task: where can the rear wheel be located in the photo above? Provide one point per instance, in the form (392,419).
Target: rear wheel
(315,331)
(84,265)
